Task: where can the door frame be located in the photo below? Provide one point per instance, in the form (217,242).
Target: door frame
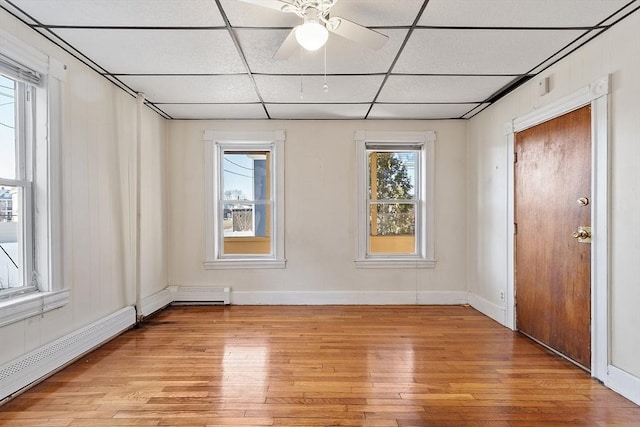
(596,94)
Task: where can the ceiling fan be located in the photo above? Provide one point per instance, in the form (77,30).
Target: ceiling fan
(313,33)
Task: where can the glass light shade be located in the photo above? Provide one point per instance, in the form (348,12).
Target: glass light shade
(311,35)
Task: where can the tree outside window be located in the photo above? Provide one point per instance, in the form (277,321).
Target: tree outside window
(392,204)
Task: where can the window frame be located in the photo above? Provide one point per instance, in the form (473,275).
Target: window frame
(425,180)
(215,144)
(41,151)
(23,180)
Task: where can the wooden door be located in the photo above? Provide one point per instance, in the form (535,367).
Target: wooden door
(553,269)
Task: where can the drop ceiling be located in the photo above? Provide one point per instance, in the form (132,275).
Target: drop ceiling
(213,59)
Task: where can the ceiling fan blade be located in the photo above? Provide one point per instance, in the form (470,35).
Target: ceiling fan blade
(356,32)
(279,5)
(288,46)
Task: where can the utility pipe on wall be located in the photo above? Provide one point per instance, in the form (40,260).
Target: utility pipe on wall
(138,284)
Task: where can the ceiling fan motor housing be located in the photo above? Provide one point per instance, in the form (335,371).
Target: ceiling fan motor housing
(306,9)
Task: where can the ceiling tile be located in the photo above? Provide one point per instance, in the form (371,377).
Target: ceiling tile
(317,111)
(243,14)
(566,50)
(343,56)
(369,13)
(419,111)
(208,89)
(441,89)
(521,13)
(214,111)
(480,51)
(373,13)
(157,51)
(139,13)
(348,89)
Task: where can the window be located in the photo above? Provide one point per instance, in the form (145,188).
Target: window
(395,199)
(244,185)
(245,197)
(15,187)
(29,137)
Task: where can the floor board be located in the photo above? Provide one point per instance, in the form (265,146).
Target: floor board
(320,366)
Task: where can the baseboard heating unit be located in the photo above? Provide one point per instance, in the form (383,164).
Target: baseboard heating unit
(48,359)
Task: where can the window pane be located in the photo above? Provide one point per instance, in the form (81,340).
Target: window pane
(11,224)
(246,175)
(247,229)
(7,128)
(392,228)
(392,175)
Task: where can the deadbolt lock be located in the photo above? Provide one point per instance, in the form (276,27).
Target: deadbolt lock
(583,234)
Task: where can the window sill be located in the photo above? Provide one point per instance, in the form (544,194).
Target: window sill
(395,263)
(242,264)
(30,305)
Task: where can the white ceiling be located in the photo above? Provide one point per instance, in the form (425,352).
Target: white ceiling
(213,59)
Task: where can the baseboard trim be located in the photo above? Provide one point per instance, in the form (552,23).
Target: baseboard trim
(348,298)
(443,298)
(21,373)
(623,383)
(156,302)
(201,294)
(486,307)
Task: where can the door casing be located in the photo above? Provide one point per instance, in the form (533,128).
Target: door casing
(595,94)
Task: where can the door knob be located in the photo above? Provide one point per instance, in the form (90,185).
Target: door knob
(583,234)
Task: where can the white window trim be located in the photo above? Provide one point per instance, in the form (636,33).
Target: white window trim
(214,141)
(32,304)
(424,259)
(46,190)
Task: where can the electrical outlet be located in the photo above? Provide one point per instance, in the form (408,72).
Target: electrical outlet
(501,295)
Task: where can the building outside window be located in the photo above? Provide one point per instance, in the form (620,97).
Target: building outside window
(245,199)
(395,199)
(247,203)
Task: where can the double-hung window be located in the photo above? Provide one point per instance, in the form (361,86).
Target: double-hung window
(30,248)
(16,225)
(395,199)
(244,185)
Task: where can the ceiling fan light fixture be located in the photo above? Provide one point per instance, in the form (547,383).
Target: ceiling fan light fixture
(311,35)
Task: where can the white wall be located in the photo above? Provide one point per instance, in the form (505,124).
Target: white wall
(616,52)
(98,145)
(320,240)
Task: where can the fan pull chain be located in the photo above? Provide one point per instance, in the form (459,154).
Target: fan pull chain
(301,73)
(325,87)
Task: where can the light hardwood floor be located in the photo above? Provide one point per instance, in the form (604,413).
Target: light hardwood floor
(320,366)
